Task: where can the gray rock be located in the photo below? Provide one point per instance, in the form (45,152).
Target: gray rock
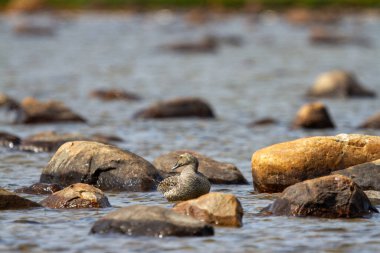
(150,221)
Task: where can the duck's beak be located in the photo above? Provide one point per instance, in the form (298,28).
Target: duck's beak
(177,165)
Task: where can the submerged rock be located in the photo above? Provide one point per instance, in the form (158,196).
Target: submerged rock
(207,44)
(216,172)
(366,175)
(324,36)
(101,165)
(372,122)
(214,208)
(332,196)
(278,166)
(150,221)
(313,116)
(339,83)
(263,122)
(33,112)
(114,94)
(77,196)
(10,201)
(40,189)
(9,140)
(177,108)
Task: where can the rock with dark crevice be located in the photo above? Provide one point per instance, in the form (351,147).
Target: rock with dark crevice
(114,94)
(150,221)
(40,189)
(177,108)
(77,196)
(216,172)
(333,196)
(104,166)
(313,116)
(11,201)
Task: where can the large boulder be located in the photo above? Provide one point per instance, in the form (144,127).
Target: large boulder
(338,83)
(214,208)
(33,111)
(366,175)
(216,172)
(77,196)
(114,94)
(40,189)
(278,166)
(10,201)
(150,221)
(332,196)
(373,122)
(101,165)
(177,108)
(313,116)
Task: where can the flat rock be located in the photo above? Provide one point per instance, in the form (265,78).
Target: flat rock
(101,165)
(40,189)
(333,196)
(150,221)
(313,116)
(177,108)
(213,208)
(339,83)
(10,201)
(216,172)
(278,166)
(263,122)
(208,44)
(33,112)
(77,196)
(366,175)
(114,94)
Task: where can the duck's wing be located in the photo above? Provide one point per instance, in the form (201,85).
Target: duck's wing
(168,183)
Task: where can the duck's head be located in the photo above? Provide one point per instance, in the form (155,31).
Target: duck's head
(186,159)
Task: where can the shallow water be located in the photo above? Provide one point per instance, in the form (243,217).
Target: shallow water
(266,76)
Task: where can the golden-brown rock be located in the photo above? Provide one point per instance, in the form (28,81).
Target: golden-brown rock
(77,196)
(11,201)
(313,116)
(278,166)
(214,208)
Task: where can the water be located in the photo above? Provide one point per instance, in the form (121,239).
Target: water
(267,76)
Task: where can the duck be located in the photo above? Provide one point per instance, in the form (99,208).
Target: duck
(189,184)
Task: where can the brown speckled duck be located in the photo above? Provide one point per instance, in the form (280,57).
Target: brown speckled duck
(189,184)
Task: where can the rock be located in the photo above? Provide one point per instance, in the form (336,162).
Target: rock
(77,196)
(313,116)
(263,122)
(114,94)
(278,166)
(366,175)
(8,102)
(372,122)
(374,197)
(150,221)
(9,140)
(323,36)
(33,29)
(33,111)
(216,172)
(101,165)
(178,107)
(10,201)
(338,83)
(106,138)
(214,208)
(40,189)
(302,16)
(332,196)
(25,5)
(207,44)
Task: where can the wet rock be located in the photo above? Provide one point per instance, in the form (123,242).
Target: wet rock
(9,201)
(301,16)
(278,166)
(25,5)
(324,36)
(332,196)
(40,189)
(150,221)
(8,102)
(216,172)
(214,208)
(374,197)
(101,165)
(263,122)
(77,196)
(33,29)
(33,112)
(366,175)
(9,140)
(176,108)
(114,94)
(373,122)
(207,44)
(106,138)
(313,116)
(338,83)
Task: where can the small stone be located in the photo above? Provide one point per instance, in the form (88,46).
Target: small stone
(114,94)
(9,140)
(263,122)
(10,201)
(313,116)
(77,196)
(40,189)
(213,208)
(207,44)
(373,122)
(150,221)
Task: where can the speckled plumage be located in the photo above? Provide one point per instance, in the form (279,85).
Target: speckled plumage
(189,184)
